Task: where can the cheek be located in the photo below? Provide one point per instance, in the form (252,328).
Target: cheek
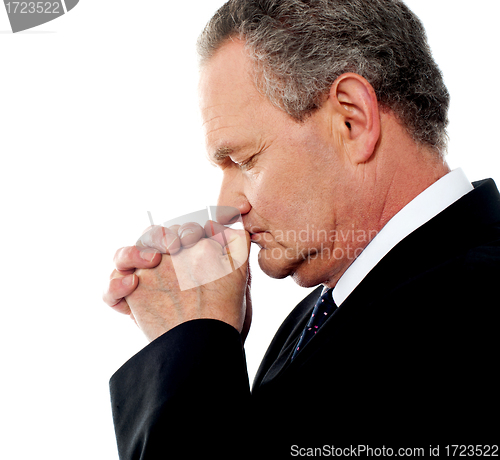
(274,193)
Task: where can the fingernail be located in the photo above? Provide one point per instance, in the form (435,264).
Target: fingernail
(128,280)
(172,240)
(186,232)
(148,254)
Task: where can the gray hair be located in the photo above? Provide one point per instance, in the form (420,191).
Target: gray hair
(300,47)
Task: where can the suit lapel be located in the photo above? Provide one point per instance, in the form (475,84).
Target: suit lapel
(279,352)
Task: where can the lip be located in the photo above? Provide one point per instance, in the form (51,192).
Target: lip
(258,237)
(251,229)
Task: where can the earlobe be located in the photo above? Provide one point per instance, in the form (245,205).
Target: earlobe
(357,115)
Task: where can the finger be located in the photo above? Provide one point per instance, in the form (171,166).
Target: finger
(147,229)
(129,258)
(121,272)
(238,246)
(226,235)
(122,307)
(160,238)
(118,288)
(190,234)
(236,243)
(214,231)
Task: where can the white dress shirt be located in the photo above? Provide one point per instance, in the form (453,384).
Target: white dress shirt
(416,213)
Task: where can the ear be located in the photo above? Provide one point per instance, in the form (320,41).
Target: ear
(357,115)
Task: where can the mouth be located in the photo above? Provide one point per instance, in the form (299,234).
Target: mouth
(257,234)
(259,237)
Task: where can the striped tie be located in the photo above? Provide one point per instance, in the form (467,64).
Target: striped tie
(323,309)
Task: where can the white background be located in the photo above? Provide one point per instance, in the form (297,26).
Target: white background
(98,124)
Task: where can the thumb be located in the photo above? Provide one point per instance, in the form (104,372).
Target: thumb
(235,243)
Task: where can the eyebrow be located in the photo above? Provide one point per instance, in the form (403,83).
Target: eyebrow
(221,153)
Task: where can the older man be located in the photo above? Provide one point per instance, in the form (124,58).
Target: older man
(328,120)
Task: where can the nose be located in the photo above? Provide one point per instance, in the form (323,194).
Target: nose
(232,202)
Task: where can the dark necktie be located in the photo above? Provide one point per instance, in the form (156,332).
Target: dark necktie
(323,309)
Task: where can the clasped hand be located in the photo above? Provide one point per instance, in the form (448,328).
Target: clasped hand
(181,273)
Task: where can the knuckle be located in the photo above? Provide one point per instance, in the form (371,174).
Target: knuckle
(109,299)
(114,288)
(204,251)
(206,245)
(122,307)
(122,256)
(117,254)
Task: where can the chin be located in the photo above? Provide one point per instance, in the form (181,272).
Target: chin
(306,281)
(314,273)
(305,272)
(301,271)
(274,268)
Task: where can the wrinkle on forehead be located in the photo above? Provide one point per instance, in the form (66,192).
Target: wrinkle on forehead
(233,111)
(211,119)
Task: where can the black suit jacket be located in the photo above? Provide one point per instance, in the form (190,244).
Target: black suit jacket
(410,359)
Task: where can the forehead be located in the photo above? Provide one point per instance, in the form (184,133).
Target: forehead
(231,107)
(225,79)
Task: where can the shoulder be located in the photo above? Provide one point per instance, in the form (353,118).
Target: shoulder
(481,265)
(487,254)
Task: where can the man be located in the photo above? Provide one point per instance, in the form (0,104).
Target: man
(328,120)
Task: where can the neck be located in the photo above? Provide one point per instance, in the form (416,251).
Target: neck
(409,182)
(401,169)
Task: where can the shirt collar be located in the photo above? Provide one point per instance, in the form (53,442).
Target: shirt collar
(416,213)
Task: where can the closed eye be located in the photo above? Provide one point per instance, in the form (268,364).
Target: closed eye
(249,163)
